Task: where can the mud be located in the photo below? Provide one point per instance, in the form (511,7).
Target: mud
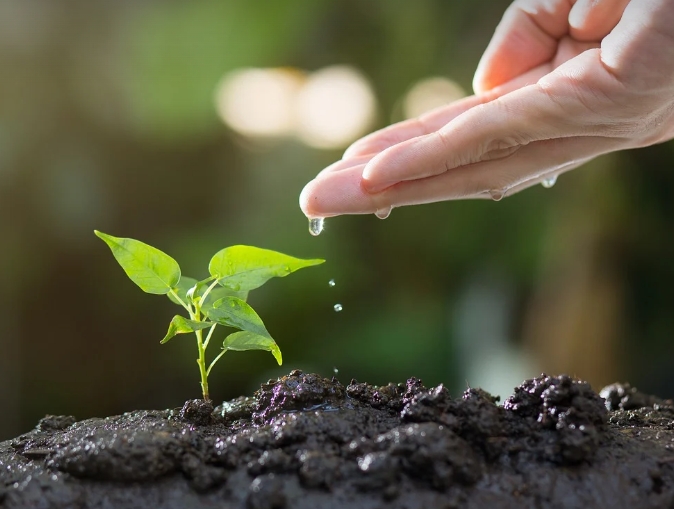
(304,441)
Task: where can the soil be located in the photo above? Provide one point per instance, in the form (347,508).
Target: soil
(304,441)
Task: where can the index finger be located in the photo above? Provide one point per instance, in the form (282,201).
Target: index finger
(425,124)
(434,120)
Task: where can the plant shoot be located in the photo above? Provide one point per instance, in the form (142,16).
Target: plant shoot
(220,299)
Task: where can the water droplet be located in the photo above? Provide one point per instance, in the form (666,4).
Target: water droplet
(338,307)
(335,370)
(316,225)
(383,213)
(496,194)
(549,182)
(331,282)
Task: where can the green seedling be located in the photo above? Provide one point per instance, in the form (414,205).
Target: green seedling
(217,300)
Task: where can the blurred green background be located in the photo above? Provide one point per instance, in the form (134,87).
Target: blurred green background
(122,116)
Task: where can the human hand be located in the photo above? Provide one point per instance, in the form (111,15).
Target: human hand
(558,85)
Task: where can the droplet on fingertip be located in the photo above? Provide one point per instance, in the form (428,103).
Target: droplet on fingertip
(549,182)
(496,194)
(316,225)
(383,213)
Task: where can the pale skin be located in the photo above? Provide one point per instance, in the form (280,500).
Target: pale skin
(561,82)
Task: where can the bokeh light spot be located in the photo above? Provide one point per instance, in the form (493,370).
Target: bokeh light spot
(430,93)
(335,107)
(259,102)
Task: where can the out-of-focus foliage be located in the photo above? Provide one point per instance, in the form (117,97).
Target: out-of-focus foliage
(108,120)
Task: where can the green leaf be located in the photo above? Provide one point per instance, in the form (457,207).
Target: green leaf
(151,269)
(233,312)
(181,288)
(218,293)
(243,268)
(182,325)
(187,283)
(246,340)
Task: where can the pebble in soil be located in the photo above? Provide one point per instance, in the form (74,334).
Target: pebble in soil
(306,441)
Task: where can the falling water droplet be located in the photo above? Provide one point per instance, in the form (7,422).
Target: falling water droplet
(338,308)
(335,370)
(496,194)
(316,225)
(383,213)
(549,182)
(331,282)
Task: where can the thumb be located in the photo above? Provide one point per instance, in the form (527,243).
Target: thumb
(526,38)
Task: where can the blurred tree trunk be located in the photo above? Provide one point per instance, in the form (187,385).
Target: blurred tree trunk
(575,321)
(10,372)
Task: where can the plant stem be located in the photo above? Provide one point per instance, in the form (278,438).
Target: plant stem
(208,290)
(182,303)
(208,336)
(208,371)
(201,361)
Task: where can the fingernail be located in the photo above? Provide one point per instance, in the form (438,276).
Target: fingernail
(579,14)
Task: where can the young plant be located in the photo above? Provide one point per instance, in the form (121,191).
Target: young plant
(217,300)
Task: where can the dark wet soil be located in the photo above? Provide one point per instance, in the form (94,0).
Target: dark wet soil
(308,442)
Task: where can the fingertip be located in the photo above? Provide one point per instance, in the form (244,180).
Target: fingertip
(578,14)
(306,199)
(413,159)
(372,187)
(480,79)
(592,20)
(336,193)
(479,86)
(318,198)
(345,164)
(362,147)
(375,177)
(353,150)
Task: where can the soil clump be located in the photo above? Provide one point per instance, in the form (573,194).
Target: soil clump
(304,441)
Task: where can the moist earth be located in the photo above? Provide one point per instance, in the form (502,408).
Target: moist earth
(304,441)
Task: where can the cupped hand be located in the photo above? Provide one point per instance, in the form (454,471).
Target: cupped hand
(560,83)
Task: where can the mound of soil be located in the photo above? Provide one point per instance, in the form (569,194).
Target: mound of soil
(304,441)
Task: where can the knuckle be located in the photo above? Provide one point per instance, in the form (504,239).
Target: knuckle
(501,148)
(655,128)
(485,140)
(497,145)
